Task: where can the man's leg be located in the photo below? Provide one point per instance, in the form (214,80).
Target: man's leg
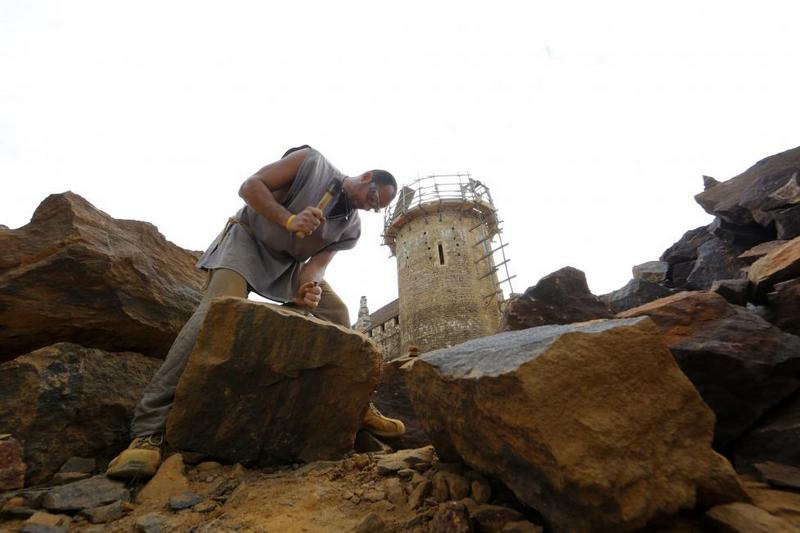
(333,309)
(150,416)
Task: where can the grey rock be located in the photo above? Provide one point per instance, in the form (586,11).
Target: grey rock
(104,514)
(774,438)
(709,182)
(62,478)
(783,307)
(635,293)
(779,475)
(715,260)
(85,465)
(41,528)
(685,249)
(151,523)
(733,290)
(652,271)
(86,494)
(740,236)
(787,223)
(184,500)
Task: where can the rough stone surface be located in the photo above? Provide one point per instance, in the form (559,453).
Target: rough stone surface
(781,264)
(418,495)
(12,469)
(76,274)
(741,364)
(169,481)
(274,387)
(66,400)
(104,514)
(733,290)
(450,517)
(184,500)
(84,465)
(372,523)
(86,494)
(391,399)
(775,438)
(402,459)
(746,518)
(779,475)
(783,306)
(685,250)
(652,271)
(151,523)
(633,444)
(754,195)
(562,297)
(787,222)
(633,294)
(716,260)
(781,503)
(45,522)
(493,518)
(755,253)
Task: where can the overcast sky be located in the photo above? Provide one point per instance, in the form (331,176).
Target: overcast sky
(591,122)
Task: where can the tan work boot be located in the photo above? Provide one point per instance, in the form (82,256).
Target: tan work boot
(379,425)
(140,460)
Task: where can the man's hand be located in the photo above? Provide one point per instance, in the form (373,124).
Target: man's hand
(308,295)
(306,221)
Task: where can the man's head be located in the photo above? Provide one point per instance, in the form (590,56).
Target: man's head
(372,190)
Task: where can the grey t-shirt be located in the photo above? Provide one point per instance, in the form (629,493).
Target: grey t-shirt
(268,256)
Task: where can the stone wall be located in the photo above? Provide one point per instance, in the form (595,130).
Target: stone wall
(387,336)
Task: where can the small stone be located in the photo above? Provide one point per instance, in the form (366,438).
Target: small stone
(348,495)
(372,523)
(457,486)
(450,517)
(40,518)
(481,491)
(104,514)
(16,501)
(494,517)
(210,479)
(86,494)
(355,500)
(84,465)
(359,492)
(361,461)
(12,469)
(440,492)
(382,506)
(521,526)
(417,459)
(374,495)
(151,523)
(168,481)
(406,474)
(395,492)
(417,478)
(184,500)
(205,507)
(419,494)
(746,518)
(62,478)
(208,466)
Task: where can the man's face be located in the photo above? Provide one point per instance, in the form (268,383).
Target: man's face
(372,196)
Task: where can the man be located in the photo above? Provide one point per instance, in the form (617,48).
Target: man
(261,249)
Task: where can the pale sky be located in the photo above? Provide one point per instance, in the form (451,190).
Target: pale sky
(591,122)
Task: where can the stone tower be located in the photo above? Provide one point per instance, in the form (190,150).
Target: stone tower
(441,229)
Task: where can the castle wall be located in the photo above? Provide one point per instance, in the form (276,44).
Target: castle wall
(441,296)
(387,336)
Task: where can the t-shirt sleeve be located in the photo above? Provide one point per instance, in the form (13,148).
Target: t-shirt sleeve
(348,239)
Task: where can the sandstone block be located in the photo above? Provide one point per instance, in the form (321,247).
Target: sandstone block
(652,271)
(746,518)
(593,424)
(779,265)
(76,274)
(741,364)
(66,400)
(170,480)
(265,385)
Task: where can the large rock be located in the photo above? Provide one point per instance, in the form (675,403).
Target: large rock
(85,494)
(783,307)
(391,399)
(12,469)
(562,297)
(76,274)
(592,424)
(741,364)
(716,260)
(781,264)
(754,196)
(775,438)
(652,271)
(66,400)
(686,248)
(635,293)
(265,385)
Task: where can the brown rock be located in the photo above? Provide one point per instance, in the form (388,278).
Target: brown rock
(391,398)
(170,480)
(481,491)
(781,264)
(758,251)
(740,364)
(635,293)
(391,463)
(783,307)
(633,444)
(493,518)
(651,271)
(104,514)
(12,469)
(781,503)
(562,297)
(779,475)
(67,400)
(439,491)
(716,260)
(720,487)
(521,526)
(301,386)
(372,523)
(394,491)
(685,250)
(733,290)
(418,495)
(41,518)
(746,518)
(450,517)
(76,274)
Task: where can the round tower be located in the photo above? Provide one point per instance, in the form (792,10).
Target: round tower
(441,229)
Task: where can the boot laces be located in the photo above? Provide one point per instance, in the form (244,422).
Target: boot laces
(149,442)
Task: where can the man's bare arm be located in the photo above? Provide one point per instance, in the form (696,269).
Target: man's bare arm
(264,190)
(309,292)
